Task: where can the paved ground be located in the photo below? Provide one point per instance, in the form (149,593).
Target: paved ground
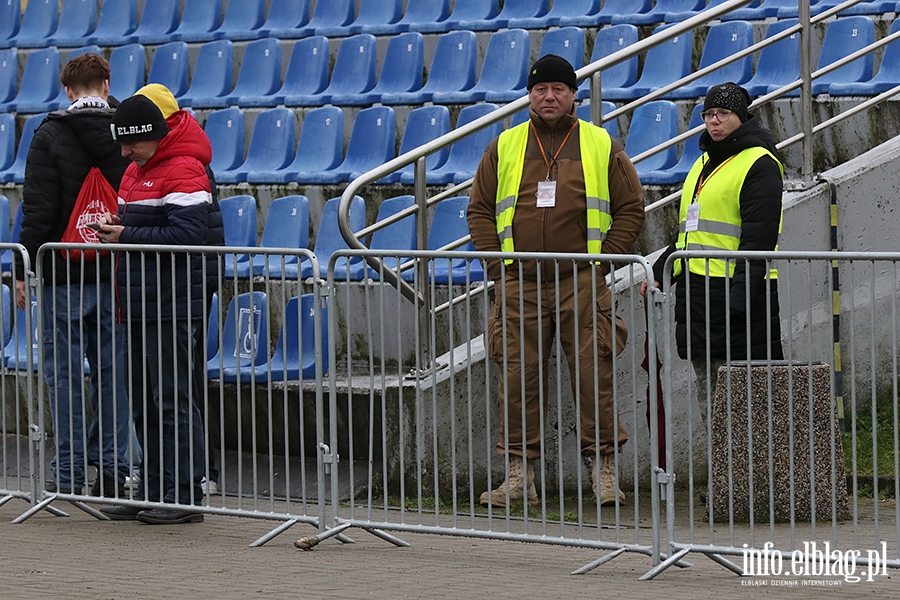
(80,557)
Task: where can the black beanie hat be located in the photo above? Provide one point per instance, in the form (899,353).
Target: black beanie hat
(728,95)
(552,68)
(138,119)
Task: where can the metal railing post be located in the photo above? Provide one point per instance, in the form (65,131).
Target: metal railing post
(806,124)
(421,268)
(596,99)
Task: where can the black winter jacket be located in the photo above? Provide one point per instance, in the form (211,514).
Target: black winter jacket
(64,148)
(761,207)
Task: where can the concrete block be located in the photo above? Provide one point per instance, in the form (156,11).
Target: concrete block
(761,447)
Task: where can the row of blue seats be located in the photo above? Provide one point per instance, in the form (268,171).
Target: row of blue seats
(453,80)
(241,356)
(77,22)
(287,226)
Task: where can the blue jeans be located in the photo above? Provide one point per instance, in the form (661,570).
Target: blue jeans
(79,320)
(167,411)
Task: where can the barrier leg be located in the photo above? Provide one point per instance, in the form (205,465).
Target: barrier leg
(602,560)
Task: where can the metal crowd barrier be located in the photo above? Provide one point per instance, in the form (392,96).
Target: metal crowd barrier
(787,467)
(392,421)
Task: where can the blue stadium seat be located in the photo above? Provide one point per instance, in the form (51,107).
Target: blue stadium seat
(463,10)
(334,13)
(401,71)
(353,73)
(243,20)
(16,173)
(863,8)
(295,353)
(116,24)
(199,18)
(663,64)
(448,224)
(6,255)
(452,69)
(371,12)
(212,327)
(681,15)
(126,67)
(39,22)
(329,239)
(245,337)
(212,75)
(567,42)
(62,101)
(7,156)
(420,11)
(611,9)
(583,112)
(225,130)
(285,18)
(398,236)
(722,40)
(524,9)
(652,124)
(260,74)
(239,222)
(170,67)
(423,125)
(9,74)
(158,20)
(271,145)
(888,75)
(40,83)
(778,64)
(610,40)
(10,16)
(4,201)
(320,148)
(659,11)
(77,20)
(843,37)
(756,11)
(287,226)
(689,155)
(372,143)
(561,9)
(504,71)
(466,153)
(22,343)
(306,75)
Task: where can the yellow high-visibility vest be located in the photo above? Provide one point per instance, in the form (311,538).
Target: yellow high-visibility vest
(595,145)
(719,226)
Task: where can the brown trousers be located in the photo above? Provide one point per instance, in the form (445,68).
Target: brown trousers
(520,342)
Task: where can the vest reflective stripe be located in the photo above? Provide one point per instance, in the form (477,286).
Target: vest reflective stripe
(594,144)
(719,225)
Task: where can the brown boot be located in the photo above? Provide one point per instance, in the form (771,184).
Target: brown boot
(606,486)
(514,483)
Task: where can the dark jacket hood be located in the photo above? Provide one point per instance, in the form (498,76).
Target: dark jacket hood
(90,126)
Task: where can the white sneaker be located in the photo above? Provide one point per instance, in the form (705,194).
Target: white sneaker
(209,487)
(133,481)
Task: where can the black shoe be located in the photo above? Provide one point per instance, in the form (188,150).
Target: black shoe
(169,516)
(50,486)
(121,513)
(111,488)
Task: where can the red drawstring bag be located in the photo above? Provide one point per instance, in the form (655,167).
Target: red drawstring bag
(95,198)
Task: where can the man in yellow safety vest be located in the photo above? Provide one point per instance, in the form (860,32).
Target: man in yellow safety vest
(554,184)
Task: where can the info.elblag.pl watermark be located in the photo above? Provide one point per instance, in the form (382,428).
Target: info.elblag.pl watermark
(814,565)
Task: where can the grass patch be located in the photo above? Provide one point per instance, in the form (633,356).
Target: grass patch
(874,440)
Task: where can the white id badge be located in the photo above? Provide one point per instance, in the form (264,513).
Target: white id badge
(693,218)
(546,194)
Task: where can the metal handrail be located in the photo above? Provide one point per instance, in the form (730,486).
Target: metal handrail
(593,70)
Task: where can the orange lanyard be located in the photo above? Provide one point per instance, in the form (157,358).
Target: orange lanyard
(544,152)
(702,181)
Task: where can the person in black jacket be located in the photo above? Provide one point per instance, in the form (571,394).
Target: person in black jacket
(731,201)
(77,297)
